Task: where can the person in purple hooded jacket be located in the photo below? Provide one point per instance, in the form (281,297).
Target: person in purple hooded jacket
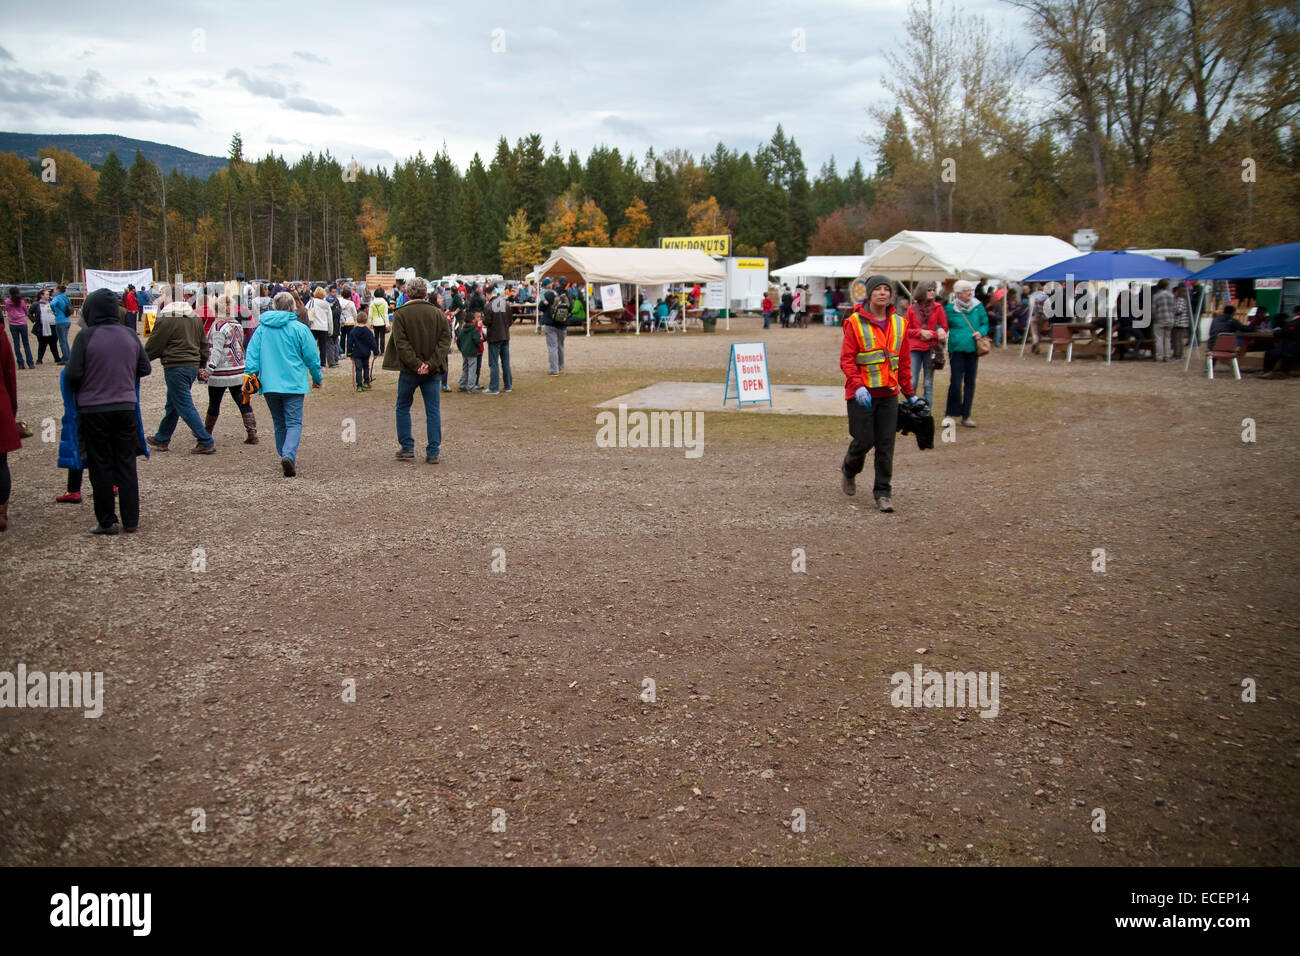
(104,370)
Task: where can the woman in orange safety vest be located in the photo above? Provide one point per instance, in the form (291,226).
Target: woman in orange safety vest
(877,365)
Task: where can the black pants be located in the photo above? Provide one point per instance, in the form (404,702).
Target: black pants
(50,342)
(321,339)
(74,480)
(111,443)
(873,427)
(6,482)
(381,332)
(961,387)
(217,392)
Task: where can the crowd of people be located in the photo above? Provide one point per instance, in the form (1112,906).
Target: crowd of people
(268,339)
(276,340)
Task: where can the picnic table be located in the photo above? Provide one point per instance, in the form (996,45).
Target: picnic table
(519,311)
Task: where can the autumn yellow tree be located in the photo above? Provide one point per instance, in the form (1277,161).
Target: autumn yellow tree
(592,226)
(705,218)
(520,249)
(23,196)
(372,223)
(561,225)
(74,184)
(636,225)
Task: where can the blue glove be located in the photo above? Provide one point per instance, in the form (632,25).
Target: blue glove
(911,400)
(862,397)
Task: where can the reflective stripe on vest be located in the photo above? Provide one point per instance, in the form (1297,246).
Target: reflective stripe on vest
(877,360)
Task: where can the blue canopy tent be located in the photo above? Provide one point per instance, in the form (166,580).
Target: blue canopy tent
(1271,262)
(1108,267)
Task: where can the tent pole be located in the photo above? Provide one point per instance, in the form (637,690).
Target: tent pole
(1110,312)
(1196,325)
(636,307)
(1006,292)
(726,291)
(587,288)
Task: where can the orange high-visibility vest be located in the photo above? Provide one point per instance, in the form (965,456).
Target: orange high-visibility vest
(878,356)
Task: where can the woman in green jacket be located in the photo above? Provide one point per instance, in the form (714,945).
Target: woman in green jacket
(967,324)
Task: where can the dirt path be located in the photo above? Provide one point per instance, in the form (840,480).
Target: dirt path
(521,690)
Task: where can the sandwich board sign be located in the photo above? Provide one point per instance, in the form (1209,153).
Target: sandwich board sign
(749,364)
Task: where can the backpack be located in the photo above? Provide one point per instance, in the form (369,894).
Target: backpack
(560,309)
(34,312)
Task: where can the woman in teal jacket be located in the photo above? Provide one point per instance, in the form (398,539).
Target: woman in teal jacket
(967,324)
(283,358)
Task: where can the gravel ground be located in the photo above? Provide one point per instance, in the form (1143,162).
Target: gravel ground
(515,695)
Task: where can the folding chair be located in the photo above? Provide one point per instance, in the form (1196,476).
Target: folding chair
(1061,336)
(1225,347)
(670,323)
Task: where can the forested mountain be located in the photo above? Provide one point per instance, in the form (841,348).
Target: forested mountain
(95,147)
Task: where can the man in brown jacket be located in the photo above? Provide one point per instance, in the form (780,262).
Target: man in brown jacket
(417,350)
(178,341)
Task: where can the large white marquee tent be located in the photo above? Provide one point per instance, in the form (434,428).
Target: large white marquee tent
(914,256)
(595,265)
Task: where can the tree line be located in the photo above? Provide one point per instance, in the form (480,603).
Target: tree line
(1164,123)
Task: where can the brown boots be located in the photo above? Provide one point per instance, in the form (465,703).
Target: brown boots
(250,425)
(4,516)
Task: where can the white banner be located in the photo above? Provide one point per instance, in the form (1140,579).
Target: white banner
(715,295)
(117,281)
(611,297)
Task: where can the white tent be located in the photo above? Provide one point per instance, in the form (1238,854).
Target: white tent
(822,267)
(934,256)
(595,265)
(916,256)
(815,271)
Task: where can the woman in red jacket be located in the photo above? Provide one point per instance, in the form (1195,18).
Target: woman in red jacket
(927,326)
(876,362)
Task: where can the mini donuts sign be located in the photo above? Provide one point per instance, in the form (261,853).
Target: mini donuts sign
(748,364)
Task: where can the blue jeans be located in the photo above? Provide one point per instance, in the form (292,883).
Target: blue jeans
(286,415)
(180,405)
(922,363)
(61,332)
(407,383)
(19,332)
(499,351)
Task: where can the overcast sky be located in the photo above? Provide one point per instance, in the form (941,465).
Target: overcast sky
(379,81)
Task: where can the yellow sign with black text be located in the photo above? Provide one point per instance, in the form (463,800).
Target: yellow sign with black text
(713,245)
(751,264)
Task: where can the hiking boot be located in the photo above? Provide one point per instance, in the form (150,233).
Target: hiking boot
(155,443)
(104,529)
(202,449)
(209,422)
(967,423)
(405,454)
(847,483)
(287,466)
(130,528)
(431,459)
(69,498)
(885,505)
